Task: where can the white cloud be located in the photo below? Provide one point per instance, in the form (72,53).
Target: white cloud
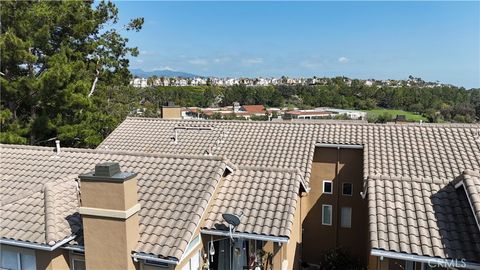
(253,61)
(198,61)
(164,68)
(343,60)
(221,59)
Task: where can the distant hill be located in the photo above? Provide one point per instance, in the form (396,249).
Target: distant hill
(159,73)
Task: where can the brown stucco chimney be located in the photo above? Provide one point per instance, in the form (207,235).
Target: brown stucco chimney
(109,208)
(171,111)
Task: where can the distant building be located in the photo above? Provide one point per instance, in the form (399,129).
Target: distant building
(139,82)
(352,114)
(308,114)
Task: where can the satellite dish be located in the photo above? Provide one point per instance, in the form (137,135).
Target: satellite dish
(231,219)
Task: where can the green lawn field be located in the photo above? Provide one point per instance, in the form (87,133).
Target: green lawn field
(413,117)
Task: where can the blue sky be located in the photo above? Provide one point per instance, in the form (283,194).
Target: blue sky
(432,40)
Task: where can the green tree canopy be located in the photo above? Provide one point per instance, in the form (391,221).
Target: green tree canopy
(56,56)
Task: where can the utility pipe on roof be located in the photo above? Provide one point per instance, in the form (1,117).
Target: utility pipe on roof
(457,263)
(152,258)
(57,146)
(35,245)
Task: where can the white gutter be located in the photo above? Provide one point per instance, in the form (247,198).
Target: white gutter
(143,256)
(335,145)
(457,263)
(278,239)
(74,248)
(35,245)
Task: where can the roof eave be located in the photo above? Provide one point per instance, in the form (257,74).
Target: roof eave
(459,263)
(144,256)
(31,245)
(252,236)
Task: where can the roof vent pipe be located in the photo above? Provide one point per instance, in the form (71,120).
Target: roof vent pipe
(57,146)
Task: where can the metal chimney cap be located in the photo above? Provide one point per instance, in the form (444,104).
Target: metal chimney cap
(109,171)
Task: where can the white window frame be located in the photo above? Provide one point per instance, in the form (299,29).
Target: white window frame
(323,214)
(343,184)
(349,226)
(76,256)
(331,186)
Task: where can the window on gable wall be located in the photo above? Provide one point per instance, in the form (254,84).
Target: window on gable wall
(347,189)
(346,217)
(326,214)
(327,187)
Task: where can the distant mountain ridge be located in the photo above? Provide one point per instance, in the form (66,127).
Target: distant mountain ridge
(161,73)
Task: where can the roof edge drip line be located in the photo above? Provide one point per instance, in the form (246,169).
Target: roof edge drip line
(278,239)
(143,256)
(76,248)
(345,146)
(460,184)
(35,245)
(460,263)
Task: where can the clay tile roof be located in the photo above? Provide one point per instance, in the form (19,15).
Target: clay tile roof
(38,207)
(44,215)
(265,198)
(422,218)
(435,152)
(308,113)
(408,169)
(254,108)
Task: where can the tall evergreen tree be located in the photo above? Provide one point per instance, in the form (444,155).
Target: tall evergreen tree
(55,58)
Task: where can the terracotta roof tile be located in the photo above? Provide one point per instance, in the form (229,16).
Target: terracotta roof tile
(261,211)
(427,152)
(410,202)
(37,203)
(437,223)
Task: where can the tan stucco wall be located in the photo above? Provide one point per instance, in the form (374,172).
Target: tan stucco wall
(190,255)
(109,195)
(52,260)
(293,248)
(109,242)
(372,262)
(171,112)
(278,253)
(338,166)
